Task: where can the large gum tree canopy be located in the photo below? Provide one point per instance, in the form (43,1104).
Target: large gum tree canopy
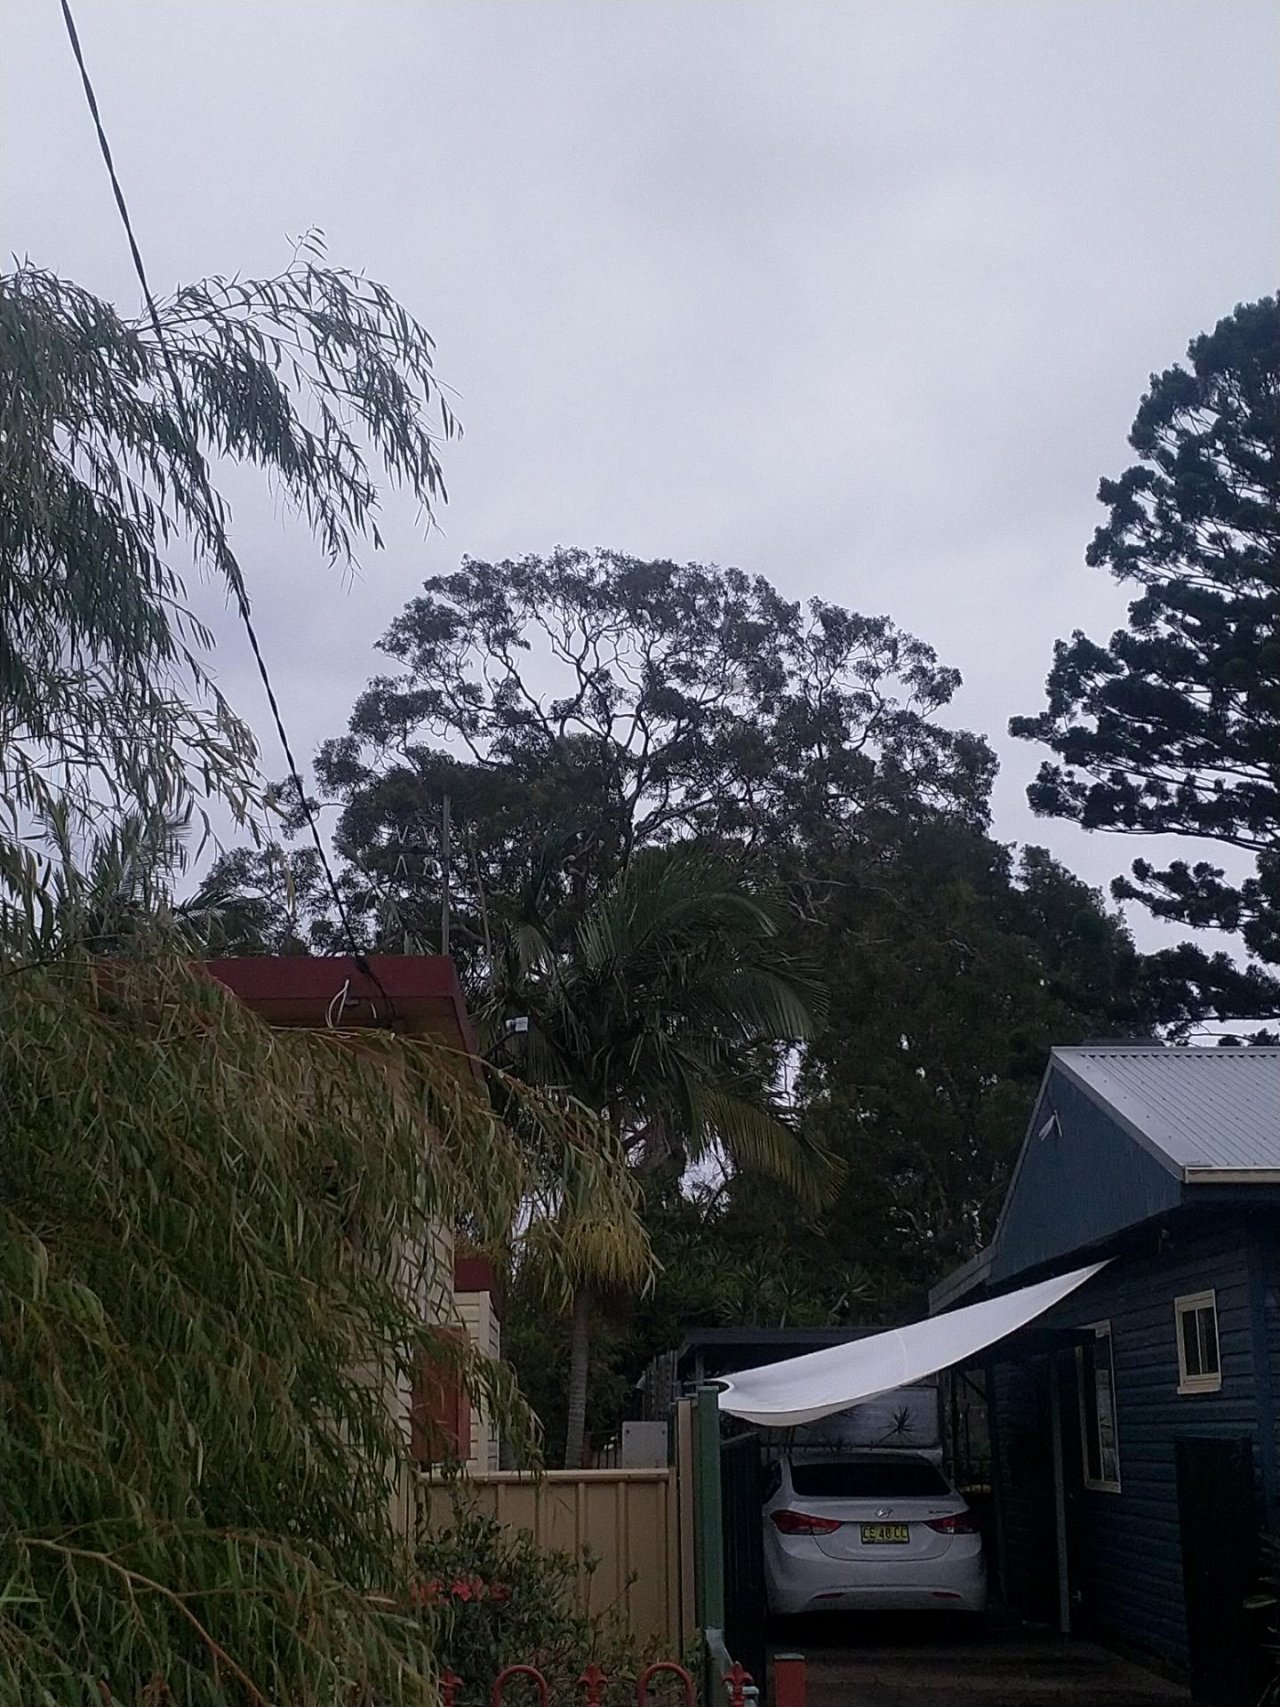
(711,701)
(602,704)
(628,746)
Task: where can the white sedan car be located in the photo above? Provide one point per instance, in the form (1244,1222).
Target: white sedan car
(866,1531)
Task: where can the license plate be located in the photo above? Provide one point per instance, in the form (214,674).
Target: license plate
(892,1534)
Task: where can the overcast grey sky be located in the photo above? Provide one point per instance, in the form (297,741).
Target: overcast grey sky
(860,296)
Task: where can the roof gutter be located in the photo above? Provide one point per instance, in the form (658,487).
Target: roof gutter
(1230,1176)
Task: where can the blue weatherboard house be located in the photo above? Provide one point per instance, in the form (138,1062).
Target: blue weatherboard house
(1134,1428)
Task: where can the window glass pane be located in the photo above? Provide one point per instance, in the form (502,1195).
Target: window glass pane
(870,1479)
(1093,1457)
(1098,1410)
(1190,1342)
(1089,1408)
(1108,1451)
(1208,1339)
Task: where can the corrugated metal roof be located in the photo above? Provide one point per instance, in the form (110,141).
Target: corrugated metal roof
(1204,1111)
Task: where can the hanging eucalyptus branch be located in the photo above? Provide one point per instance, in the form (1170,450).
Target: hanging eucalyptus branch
(316,377)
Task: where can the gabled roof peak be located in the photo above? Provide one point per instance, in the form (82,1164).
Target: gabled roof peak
(1207,1112)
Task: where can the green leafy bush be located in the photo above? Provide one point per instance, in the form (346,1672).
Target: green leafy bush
(195,1465)
(491,1597)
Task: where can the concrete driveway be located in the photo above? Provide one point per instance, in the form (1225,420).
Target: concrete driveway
(906,1662)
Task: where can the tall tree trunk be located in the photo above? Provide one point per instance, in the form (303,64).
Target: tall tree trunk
(579,1368)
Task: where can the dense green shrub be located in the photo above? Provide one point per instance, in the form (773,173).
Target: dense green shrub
(206,1231)
(491,1597)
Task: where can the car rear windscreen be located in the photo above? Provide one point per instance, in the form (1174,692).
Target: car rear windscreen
(902,1478)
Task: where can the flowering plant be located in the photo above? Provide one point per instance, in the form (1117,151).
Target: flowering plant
(491,1597)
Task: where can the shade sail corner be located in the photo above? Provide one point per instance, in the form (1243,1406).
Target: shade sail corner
(822,1383)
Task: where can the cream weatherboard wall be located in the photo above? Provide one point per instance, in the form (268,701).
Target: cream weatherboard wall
(429,1288)
(422,997)
(478,1314)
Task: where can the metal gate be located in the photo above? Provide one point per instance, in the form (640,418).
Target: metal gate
(741,1493)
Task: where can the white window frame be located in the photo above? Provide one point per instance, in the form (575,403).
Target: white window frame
(1191,1304)
(1089,1412)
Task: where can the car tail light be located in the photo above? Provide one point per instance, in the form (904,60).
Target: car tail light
(801,1523)
(960,1523)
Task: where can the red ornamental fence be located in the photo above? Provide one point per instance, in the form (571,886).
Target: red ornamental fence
(594,1682)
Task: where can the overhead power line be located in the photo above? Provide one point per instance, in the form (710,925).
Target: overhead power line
(226,557)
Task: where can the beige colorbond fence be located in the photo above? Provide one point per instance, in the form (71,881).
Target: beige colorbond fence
(628,1519)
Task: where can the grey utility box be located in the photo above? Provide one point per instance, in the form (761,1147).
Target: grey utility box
(644,1446)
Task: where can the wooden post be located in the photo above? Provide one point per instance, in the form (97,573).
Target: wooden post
(688,1539)
(1059,1497)
(446,873)
(995,1441)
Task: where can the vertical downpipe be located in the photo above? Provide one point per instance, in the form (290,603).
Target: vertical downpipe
(710,1512)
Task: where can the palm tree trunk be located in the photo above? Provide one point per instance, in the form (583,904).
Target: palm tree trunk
(579,1368)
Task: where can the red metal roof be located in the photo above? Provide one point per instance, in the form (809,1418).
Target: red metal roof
(422,991)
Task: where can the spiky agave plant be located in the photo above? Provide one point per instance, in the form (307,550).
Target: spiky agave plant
(203,1237)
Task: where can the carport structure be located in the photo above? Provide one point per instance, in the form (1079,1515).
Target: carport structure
(804,1390)
(1132,1422)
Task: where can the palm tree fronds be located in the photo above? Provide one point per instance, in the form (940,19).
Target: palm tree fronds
(756,1140)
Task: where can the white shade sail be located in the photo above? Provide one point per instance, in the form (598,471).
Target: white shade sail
(805,1389)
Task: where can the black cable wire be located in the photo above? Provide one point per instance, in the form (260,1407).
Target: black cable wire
(226,557)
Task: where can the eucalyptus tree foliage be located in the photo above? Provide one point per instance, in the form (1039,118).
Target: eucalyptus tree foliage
(206,1238)
(317,377)
(611,704)
(961,966)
